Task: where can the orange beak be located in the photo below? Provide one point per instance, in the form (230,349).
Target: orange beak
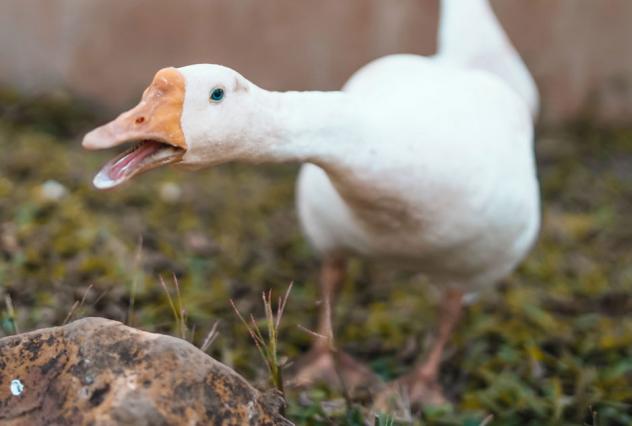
(154,125)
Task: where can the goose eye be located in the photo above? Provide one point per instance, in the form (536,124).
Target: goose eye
(216,95)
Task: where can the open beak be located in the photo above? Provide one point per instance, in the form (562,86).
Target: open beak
(152,128)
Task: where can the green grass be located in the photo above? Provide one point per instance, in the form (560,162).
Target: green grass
(551,346)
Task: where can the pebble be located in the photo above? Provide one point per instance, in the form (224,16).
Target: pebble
(170,192)
(53,190)
(17,387)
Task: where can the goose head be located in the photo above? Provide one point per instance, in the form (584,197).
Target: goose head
(194,116)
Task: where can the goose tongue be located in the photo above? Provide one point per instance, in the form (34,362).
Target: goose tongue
(144,156)
(130,160)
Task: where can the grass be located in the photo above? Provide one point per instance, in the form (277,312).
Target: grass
(384,420)
(178,311)
(268,345)
(9,323)
(76,305)
(551,346)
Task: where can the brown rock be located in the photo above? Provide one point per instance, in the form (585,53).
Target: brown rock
(101,372)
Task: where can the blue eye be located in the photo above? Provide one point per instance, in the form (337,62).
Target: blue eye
(217,95)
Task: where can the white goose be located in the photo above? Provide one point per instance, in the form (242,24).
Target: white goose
(425,161)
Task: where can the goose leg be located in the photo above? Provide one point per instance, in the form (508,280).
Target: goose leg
(324,362)
(421,386)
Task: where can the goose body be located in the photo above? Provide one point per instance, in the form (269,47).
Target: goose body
(426,162)
(442,180)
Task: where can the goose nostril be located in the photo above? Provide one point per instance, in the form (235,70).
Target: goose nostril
(140,120)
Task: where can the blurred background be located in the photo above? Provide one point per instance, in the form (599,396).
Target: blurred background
(553,344)
(578,50)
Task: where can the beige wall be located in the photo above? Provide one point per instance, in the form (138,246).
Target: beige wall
(578,50)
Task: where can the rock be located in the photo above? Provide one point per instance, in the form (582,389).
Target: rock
(101,372)
(53,191)
(170,192)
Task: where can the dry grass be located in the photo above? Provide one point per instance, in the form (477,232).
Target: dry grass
(268,345)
